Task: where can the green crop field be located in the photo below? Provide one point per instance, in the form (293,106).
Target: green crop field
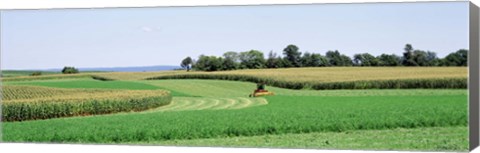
(220,113)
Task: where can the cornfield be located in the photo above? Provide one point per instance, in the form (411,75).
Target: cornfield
(448,83)
(319,74)
(47,77)
(30,103)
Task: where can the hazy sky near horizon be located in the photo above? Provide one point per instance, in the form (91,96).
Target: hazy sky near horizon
(115,37)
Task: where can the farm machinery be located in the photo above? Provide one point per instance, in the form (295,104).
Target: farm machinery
(260,91)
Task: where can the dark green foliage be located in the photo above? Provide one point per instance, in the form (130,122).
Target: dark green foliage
(419,57)
(365,59)
(96,77)
(452,83)
(208,63)
(230,61)
(292,56)
(313,60)
(37,73)
(425,58)
(337,59)
(252,59)
(432,59)
(458,58)
(389,60)
(187,63)
(273,61)
(445,83)
(69,70)
(408,56)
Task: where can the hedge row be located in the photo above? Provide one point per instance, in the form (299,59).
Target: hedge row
(96,77)
(446,83)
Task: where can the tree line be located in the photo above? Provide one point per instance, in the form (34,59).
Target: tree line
(292,57)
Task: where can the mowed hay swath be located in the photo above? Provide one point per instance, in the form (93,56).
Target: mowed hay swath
(30,103)
(342,77)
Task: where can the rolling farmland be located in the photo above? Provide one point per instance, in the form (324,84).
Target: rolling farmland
(220,113)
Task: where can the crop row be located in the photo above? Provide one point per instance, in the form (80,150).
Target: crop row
(31,103)
(22,92)
(283,114)
(447,83)
(47,77)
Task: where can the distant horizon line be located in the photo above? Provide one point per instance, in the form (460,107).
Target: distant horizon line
(108,67)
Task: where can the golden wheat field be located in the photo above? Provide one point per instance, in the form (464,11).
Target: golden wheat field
(317,74)
(324,74)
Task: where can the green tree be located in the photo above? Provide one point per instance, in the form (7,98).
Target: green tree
(420,57)
(337,59)
(306,60)
(292,55)
(389,60)
(187,63)
(425,58)
(234,56)
(208,63)
(432,59)
(408,56)
(69,70)
(252,59)
(230,61)
(365,59)
(458,58)
(313,60)
(319,60)
(273,61)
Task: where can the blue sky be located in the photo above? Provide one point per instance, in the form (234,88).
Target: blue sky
(113,37)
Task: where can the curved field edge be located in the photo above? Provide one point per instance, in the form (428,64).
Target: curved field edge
(224,88)
(283,114)
(89,83)
(431,83)
(34,103)
(426,139)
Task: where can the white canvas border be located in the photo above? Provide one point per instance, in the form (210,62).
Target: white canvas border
(48,4)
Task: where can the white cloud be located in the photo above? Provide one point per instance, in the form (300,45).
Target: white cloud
(146,29)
